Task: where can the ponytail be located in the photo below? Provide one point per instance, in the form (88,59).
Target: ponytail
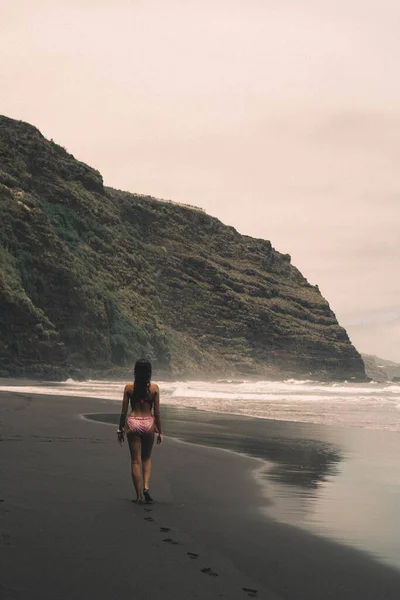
(142,374)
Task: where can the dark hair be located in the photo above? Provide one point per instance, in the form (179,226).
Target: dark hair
(142,372)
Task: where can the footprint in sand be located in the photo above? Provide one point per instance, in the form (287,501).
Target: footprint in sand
(209,571)
(165,529)
(148,509)
(192,555)
(170,541)
(148,519)
(5,538)
(250,592)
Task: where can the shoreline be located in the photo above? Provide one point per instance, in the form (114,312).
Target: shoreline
(66,495)
(299,472)
(196,377)
(37,387)
(285,481)
(91,417)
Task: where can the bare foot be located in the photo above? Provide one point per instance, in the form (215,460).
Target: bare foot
(147,496)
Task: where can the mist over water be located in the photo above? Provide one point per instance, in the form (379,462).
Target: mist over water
(370,405)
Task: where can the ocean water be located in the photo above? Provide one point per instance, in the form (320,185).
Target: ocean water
(328,454)
(369,405)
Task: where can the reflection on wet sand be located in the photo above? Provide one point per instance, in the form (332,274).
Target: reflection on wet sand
(304,462)
(340,483)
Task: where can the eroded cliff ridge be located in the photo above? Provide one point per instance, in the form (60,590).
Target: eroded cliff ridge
(92,278)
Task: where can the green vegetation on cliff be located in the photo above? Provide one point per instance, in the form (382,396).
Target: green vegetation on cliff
(92,278)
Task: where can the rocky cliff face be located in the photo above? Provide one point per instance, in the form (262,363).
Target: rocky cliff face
(92,278)
(380,369)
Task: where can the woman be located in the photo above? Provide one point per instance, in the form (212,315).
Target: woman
(141,425)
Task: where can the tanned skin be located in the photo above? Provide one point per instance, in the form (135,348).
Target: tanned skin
(141,446)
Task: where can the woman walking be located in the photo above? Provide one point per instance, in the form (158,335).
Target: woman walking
(141,425)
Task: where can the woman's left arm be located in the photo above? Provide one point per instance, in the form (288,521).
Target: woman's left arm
(122,419)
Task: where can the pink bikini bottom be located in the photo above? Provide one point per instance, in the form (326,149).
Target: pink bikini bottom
(139,425)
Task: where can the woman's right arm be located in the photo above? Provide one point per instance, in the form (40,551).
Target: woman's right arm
(157,414)
(122,419)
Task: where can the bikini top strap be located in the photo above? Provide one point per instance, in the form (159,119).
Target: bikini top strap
(137,400)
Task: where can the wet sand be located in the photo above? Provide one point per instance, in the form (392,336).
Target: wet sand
(70,530)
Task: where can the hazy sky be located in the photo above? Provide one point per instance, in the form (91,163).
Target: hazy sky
(280,117)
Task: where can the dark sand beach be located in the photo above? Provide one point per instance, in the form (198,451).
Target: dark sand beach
(70,530)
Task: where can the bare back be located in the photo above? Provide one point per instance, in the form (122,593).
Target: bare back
(142,407)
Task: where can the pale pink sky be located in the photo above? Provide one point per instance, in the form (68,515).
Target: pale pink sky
(282,118)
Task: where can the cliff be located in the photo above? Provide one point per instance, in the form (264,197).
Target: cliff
(380,369)
(92,278)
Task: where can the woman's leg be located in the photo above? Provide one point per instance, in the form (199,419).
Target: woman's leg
(147,445)
(136,463)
